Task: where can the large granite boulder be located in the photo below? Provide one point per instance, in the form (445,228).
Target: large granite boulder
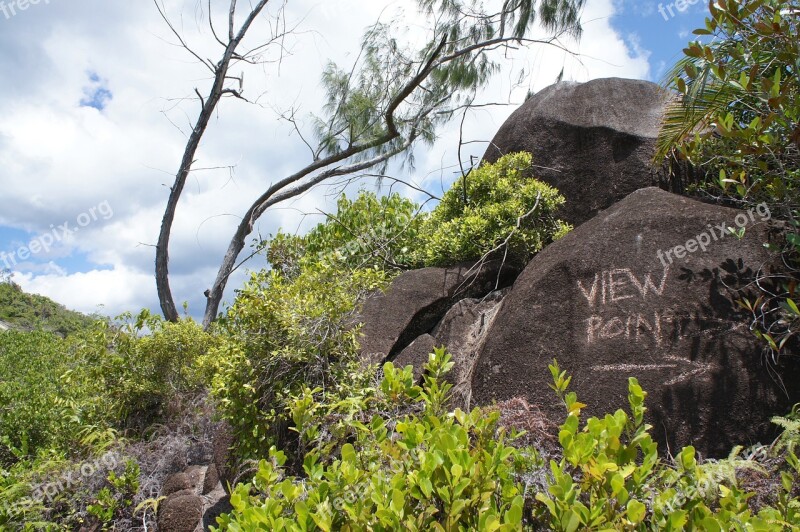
(593,141)
(417,300)
(646,289)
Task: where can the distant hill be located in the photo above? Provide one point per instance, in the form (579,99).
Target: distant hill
(30,311)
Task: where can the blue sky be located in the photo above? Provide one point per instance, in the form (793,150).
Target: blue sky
(93,126)
(659,28)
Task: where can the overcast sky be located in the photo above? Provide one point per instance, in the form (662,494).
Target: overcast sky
(94,113)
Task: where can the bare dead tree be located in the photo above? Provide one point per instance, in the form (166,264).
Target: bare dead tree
(393,97)
(220,88)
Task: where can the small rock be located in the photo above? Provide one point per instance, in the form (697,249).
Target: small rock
(180,512)
(175,483)
(211,480)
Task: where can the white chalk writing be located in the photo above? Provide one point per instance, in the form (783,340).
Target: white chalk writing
(619,284)
(688,368)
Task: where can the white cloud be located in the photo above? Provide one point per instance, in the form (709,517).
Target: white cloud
(104,291)
(57,158)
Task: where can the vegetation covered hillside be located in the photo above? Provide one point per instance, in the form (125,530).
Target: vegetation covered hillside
(32,311)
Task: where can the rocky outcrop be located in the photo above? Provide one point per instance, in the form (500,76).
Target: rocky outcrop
(593,141)
(417,301)
(463,330)
(646,289)
(193,499)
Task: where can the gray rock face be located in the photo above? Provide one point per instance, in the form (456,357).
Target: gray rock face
(463,330)
(646,289)
(417,300)
(593,141)
(416,355)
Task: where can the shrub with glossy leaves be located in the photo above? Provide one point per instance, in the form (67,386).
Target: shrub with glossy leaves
(739,115)
(425,471)
(610,477)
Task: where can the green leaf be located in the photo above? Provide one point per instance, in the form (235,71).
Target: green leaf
(349,453)
(636,511)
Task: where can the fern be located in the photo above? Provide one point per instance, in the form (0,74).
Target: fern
(790,437)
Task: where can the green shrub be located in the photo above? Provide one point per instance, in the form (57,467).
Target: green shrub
(368,232)
(281,335)
(610,478)
(291,327)
(140,374)
(740,107)
(68,395)
(425,471)
(34,397)
(63,403)
(400,461)
(494,208)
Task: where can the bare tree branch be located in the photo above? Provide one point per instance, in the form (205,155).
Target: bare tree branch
(209,104)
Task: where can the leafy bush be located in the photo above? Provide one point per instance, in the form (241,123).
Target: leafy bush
(495,208)
(740,108)
(422,471)
(63,402)
(281,335)
(33,397)
(426,469)
(140,374)
(368,232)
(610,477)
